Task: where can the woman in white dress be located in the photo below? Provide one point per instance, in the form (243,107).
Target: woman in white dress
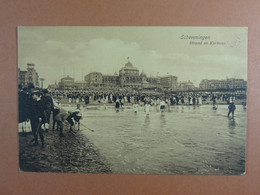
(147,108)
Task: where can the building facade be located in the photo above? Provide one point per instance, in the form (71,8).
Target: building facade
(94,79)
(168,82)
(128,77)
(186,86)
(30,76)
(232,83)
(66,83)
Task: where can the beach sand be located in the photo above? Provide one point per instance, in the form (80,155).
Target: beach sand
(73,153)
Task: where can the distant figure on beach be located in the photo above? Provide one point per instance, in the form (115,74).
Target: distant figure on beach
(162,106)
(200,100)
(231,109)
(244,105)
(168,103)
(104,101)
(122,102)
(135,107)
(193,100)
(117,105)
(147,108)
(86,99)
(214,103)
(214,100)
(230,99)
(190,100)
(182,100)
(158,101)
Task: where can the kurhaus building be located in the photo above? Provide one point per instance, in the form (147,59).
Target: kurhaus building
(128,76)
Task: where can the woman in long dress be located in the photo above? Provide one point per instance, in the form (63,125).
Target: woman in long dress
(147,108)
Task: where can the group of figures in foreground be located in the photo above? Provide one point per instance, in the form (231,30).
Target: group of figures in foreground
(37,106)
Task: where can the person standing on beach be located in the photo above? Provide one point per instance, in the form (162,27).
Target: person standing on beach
(117,105)
(158,101)
(193,100)
(122,102)
(231,109)
(135,107)
(86,99)
(24,99)
(182,100)
(162,105)
(200,100)
(48,107)
(214,100)
(147,108)
(36,117)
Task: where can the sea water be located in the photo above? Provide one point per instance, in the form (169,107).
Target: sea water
(181,140)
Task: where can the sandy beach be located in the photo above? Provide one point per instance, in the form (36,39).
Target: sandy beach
(73,153)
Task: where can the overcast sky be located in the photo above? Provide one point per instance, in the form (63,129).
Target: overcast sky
(77,51)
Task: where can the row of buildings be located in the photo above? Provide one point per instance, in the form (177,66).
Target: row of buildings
(128,77)
(231,83)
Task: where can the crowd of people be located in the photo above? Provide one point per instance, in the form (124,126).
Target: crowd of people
(38,105)
(190,98)
(162,103)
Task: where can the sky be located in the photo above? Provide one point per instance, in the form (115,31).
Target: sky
(77,51)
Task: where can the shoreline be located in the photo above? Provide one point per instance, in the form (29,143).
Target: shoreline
(73,153)
(129,105)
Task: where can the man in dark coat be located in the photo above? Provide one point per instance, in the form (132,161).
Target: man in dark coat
(48,107)
(24,99)
(231,109)
(36,117)
(86,99)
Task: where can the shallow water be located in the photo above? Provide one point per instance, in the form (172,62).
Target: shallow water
(184,140)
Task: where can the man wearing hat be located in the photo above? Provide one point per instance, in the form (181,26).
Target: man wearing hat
(36,117)
(48,107)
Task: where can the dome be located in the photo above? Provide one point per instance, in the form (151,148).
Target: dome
(68,78)
(129,66)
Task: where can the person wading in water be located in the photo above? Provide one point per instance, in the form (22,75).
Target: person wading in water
(231,109)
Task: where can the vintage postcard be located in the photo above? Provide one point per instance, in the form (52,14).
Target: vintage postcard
(132,100)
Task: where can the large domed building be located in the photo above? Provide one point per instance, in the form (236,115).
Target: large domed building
(128,77)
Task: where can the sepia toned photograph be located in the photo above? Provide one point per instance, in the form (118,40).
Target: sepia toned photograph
(132,100)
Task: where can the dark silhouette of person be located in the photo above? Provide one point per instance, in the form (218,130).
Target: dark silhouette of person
(231,109)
